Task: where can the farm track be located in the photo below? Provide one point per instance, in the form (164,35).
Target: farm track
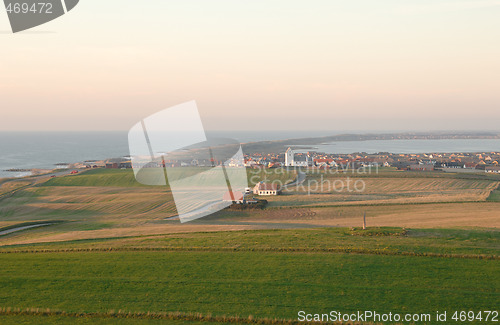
(12,230)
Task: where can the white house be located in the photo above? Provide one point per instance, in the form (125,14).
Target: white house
(266,189)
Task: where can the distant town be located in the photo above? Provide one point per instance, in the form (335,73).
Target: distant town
(485,161)
(456,162)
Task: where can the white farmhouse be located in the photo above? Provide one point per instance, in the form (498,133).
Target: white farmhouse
(266,189)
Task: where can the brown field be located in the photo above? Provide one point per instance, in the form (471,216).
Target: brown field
(62,233)
(119,202)
(11,186)
(316,191)
(439,215)
(448,215)
(104,211)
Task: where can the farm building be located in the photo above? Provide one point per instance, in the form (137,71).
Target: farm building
(118,164)
(266,189)
(492,169)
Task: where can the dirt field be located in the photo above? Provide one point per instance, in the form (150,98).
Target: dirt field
(318,191)
(413,216)
(106,211)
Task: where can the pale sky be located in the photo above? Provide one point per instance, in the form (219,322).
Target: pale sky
(257,65)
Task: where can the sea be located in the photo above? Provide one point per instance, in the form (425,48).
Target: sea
(412,146)
(43,150)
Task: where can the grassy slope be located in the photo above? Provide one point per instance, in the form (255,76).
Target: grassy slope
(239,273)
(12,185)
(257,273)
(97,177)
(377,240)
(125,178)
(246,283)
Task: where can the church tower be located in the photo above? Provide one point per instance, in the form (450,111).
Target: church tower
(289,157)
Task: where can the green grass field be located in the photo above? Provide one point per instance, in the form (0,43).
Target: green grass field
(261,276)
(111,258)
(97,177)
(125,178)
(494,196)
(386,240)
(89,320)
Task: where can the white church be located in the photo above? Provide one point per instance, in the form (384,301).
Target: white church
(301,160)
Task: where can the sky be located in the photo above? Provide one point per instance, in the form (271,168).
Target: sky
(364,65)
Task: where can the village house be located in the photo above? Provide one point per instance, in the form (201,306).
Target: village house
(470,165)
(421,167)
(324,162)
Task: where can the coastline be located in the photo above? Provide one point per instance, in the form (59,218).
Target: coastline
(326,144)
(21,173)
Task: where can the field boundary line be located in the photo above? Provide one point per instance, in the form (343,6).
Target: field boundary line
(250,250)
